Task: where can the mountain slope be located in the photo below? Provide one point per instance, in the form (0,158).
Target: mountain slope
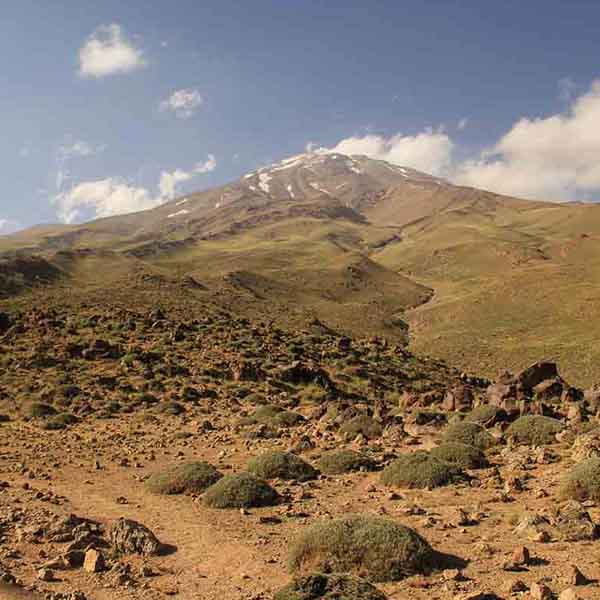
(363,245)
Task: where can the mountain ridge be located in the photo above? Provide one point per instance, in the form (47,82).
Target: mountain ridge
(366,247)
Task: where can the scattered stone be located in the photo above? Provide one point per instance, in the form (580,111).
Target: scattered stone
(46,575)
(540,591)
(94,561)
(576,577)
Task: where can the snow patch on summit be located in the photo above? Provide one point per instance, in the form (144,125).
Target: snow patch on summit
(351,165)
(179,213)
(263,182)
(315,186)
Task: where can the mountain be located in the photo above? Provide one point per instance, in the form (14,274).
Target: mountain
(357,245)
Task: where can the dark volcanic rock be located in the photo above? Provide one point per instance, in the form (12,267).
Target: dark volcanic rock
(536,373)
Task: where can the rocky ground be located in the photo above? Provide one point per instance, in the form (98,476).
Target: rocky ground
(104,409)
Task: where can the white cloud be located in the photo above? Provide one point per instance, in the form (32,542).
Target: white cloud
(114,196)
(107,52)
(462,124)
(170,180)
(429,151)
(183,103)
(104,198)
(77,148)
(551,158)
(8,226)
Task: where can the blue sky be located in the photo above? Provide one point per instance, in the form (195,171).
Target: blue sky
(112,106)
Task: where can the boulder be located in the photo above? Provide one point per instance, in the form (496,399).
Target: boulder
(130,537)
(503,395)
(302,373)
(459,398)
(536,374)
(586,445)
(94,561)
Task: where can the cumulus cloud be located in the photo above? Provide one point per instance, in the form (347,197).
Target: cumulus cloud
(104,198)
(183,103)
(546,158)
(8,226)
(429,151)
(551,158)
(170,180)
(115,196)
(108,52)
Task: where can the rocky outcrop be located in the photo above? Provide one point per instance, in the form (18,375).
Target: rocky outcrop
(538,389)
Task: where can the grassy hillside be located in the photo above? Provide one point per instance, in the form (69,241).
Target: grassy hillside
(510,286)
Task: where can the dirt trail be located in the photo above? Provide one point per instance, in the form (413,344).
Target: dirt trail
(10,592)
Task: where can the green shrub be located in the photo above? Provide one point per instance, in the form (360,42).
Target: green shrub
(39,410)
(186,478)
(534,430)
(380,548)
(171,408)
(460,455)
(282,465)
(312,394)
(242,490)
(362,424)
(273,416)
(266,412)
(485,413)
(287,418)
(345,461)
(420,470)
(60,421)
(471,434)
(329,587)
(583,481)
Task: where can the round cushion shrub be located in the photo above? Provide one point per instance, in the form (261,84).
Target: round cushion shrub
(460,455)
(345,461)
(486,413)
(468,433)
(534,430)
(241,490)
(287,418)
(361,425)
(379,548)
(60,421)
(420,470)
(185,478)
(39,410)
(583,481)
(171,408)
(273,416)
(281,465)
(321,586)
